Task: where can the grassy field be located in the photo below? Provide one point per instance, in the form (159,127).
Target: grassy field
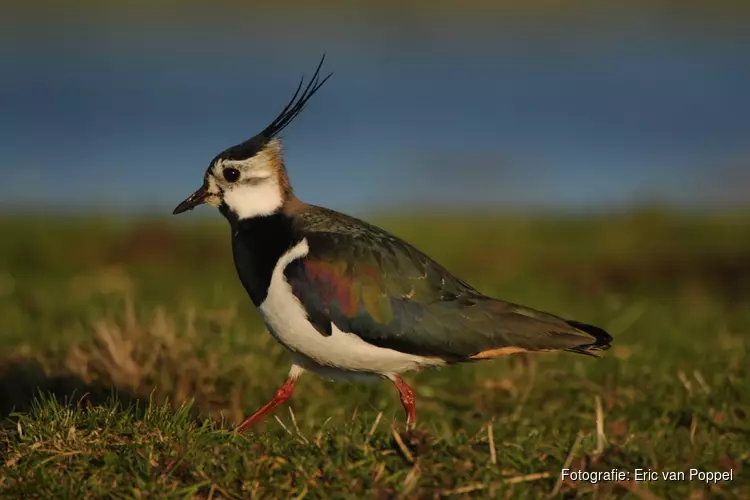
(129,349)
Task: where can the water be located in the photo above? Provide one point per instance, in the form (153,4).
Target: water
(123,117)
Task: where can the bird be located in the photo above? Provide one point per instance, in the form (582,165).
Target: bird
(347,299)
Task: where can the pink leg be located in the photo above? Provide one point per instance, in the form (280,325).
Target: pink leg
(407,399)
(282,394)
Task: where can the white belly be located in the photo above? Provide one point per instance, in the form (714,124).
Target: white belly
(330,356)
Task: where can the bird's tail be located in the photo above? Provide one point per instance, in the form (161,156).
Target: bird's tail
(602,339)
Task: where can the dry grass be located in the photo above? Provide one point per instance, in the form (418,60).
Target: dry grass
(186,357)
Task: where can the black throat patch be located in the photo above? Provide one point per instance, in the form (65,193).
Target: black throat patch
(257,245)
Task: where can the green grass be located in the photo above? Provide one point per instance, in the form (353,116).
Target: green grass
(130,349)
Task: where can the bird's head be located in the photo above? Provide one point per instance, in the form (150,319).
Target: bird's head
(249,180)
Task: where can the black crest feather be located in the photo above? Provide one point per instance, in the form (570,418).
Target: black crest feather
(297,103)
(293,108)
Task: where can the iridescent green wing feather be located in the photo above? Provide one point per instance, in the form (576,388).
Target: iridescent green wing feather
(374,285)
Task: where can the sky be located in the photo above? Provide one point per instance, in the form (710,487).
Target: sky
(114,116)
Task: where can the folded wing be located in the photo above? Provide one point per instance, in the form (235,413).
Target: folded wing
(385,291)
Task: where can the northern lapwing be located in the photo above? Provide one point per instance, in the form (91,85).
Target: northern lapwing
(348,299)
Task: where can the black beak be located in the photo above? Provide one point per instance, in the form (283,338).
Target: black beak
(192,201)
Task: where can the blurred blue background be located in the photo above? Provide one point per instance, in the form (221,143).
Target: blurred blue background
(576,107)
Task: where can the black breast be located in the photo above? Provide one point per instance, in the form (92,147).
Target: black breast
(257,245)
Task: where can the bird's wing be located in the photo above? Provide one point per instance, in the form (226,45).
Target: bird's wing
(372,284)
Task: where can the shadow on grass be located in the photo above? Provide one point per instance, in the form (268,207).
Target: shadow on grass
(23,381)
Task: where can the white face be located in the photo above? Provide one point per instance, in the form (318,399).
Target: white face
(250,188)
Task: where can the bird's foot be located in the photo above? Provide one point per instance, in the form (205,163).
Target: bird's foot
(412,440)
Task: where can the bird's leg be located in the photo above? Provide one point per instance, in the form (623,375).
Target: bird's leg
(282,394)
(407,399)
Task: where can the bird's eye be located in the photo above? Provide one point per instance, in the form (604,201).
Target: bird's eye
(231,174)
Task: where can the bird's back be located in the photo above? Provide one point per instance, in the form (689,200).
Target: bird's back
(372,283)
